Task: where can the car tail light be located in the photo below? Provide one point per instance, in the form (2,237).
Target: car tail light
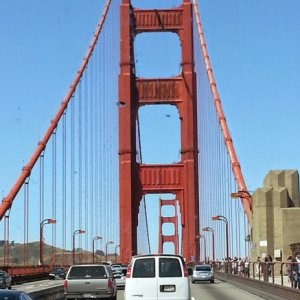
(185,271)
(128,274)
(110,283)
(66,284)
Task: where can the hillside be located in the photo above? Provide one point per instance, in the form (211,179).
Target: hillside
(51,255)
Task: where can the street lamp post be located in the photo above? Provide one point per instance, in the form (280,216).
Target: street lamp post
(224,219)
(78,231)
(107,243)
(117,246)
(44,222)
(204,239)
(95,239)
(213,240)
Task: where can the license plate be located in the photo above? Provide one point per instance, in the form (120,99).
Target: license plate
(168,288)
(87,295)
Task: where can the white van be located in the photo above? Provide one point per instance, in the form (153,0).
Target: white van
(155,277)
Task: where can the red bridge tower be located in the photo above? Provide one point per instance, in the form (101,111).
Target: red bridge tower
(180,179)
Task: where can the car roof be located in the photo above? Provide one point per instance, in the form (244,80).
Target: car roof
(203,265)
(151,255)
(159,255)
(89,265)
(10,292)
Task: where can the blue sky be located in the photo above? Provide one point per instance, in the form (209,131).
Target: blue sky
(254,50)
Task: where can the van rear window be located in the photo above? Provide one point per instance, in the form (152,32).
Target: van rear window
(144,268)
(169,267)
(91,272)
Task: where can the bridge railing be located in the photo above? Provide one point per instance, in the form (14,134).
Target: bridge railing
(283,273)
(27,273)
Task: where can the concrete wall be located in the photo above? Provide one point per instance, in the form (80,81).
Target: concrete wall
(276,215)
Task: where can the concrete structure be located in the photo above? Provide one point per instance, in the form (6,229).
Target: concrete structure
(276,216)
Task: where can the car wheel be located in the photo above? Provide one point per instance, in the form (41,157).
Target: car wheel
(212,281)
(193,281)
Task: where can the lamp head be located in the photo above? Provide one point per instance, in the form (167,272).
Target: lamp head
(235,195)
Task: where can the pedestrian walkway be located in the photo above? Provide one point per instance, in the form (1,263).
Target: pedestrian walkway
(277,280)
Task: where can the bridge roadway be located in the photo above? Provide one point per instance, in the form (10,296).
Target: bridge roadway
(219,290)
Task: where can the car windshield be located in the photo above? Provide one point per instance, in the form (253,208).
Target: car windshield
(57,270)
(203,268)
(92,272)
(2,274)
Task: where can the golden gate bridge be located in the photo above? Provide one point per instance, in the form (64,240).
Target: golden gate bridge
(87,177)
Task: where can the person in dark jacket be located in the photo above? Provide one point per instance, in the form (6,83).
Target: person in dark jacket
(294,269)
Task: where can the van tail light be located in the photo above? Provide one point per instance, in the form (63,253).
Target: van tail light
(185,271)
(65,284)
(128,274)
(110,283)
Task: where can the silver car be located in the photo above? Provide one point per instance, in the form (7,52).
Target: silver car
(90,281)
(203,273)
(120,277)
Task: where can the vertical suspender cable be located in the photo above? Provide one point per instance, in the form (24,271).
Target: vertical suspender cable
(64,183)
(80,158)
(97,113)
(26,211)
(54,192)
(42,184)
(72,165)
(92,109)
(86,159)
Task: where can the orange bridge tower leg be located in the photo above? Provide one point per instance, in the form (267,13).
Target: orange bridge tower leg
(172,220)
(180,179)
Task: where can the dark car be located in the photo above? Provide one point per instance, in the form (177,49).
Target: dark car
(14,295)
(5,280)
(57,273)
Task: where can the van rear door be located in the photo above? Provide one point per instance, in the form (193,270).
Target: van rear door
(142,283)
(172,282)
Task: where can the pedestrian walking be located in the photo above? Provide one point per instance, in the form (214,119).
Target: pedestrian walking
(298,271)
(288,268)
(294,268)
